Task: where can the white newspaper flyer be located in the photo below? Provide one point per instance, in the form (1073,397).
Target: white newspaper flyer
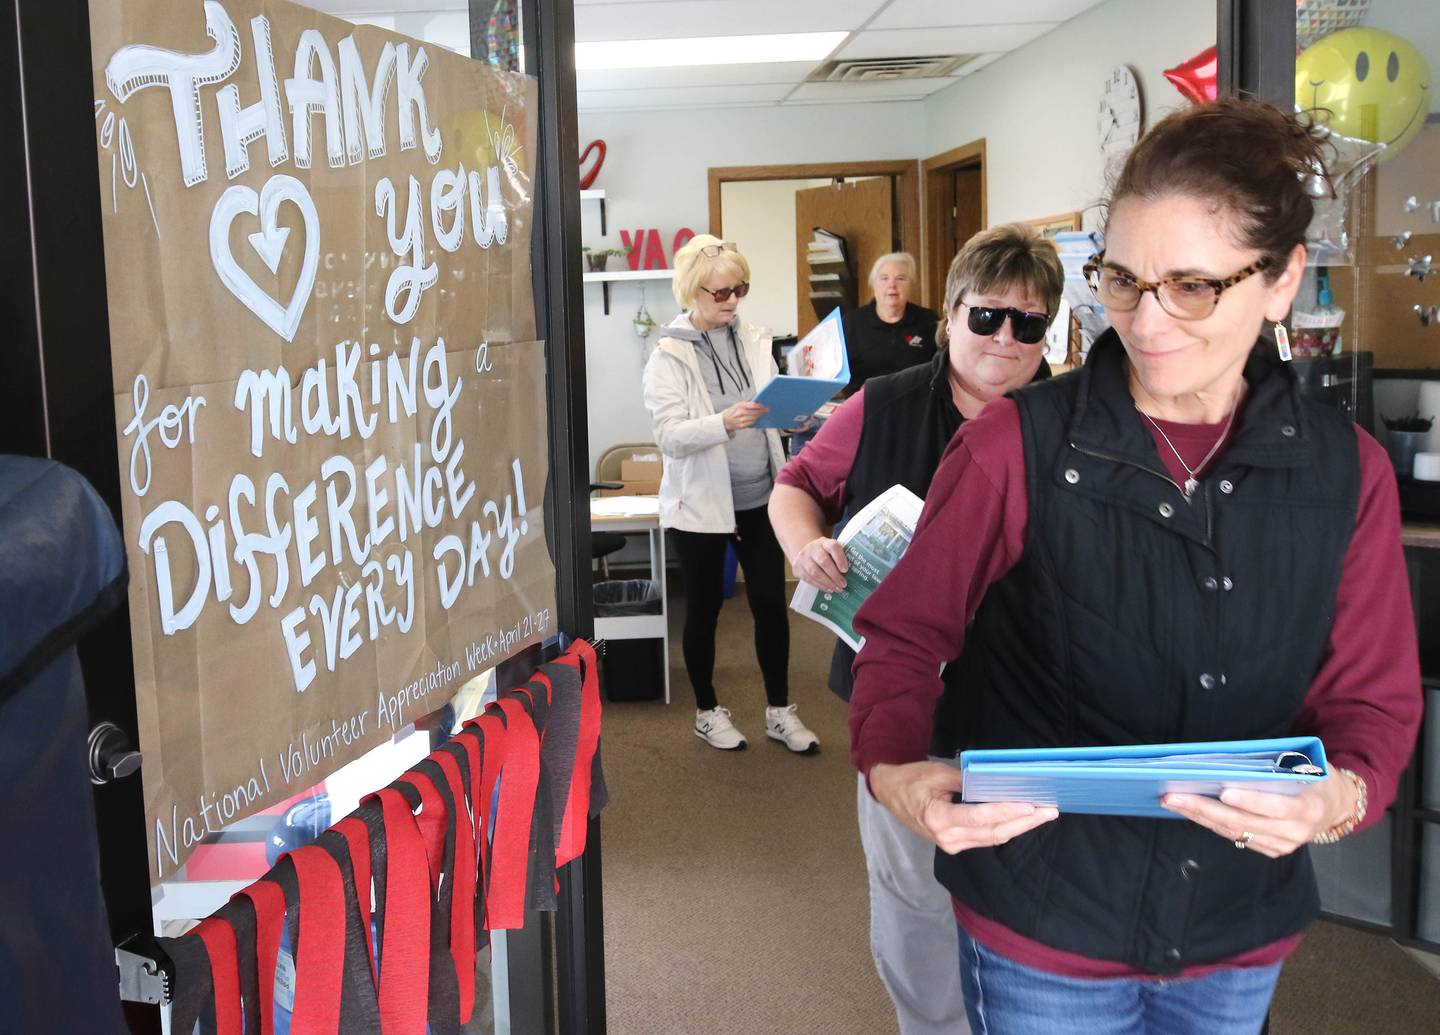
(874,540)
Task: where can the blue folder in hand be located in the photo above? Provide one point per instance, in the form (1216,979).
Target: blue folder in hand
(823,366)
(1129,780)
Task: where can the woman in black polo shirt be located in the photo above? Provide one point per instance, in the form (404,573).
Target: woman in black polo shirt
(888,334)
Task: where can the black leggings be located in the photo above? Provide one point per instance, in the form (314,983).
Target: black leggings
(702,561)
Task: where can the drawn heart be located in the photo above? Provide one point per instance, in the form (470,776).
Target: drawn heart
(587,178)
(269,244)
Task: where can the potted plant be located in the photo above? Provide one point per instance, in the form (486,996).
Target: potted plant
(596,258)
(643,322)
(1404,437)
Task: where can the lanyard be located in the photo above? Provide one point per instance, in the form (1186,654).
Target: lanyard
(577,807)
(510,836)
(219,940)
(268,901)
(320,954)
(722,366)
(405,939)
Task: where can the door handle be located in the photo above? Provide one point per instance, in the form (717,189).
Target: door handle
(111,756)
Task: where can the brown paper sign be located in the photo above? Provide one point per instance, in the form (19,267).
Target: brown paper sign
(330,407)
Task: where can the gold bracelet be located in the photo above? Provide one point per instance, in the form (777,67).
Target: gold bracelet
(1339,830)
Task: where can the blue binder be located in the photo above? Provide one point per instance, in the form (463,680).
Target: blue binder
(790,398)
(1130,780)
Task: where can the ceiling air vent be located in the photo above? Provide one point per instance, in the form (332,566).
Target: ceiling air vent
(876,70)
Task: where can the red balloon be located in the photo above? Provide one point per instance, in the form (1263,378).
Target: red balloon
(588,177)
(1195,78)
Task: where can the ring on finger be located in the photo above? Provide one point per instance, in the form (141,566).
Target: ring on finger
(1244,840)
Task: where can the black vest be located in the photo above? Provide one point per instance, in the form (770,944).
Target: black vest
(1135,617)
(910,418)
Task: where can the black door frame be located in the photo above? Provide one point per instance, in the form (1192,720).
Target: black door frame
(55,367)
(58,403)
(548,28)
(1256,49)
(1257,57)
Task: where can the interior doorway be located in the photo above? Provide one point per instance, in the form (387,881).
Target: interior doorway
(954,212)
(876,201)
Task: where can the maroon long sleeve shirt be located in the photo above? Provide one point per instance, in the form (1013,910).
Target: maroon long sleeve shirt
(822,468)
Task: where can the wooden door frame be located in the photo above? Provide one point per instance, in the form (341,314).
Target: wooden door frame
(932,280)
(907,189)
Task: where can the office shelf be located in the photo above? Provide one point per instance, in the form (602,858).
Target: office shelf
(596,195)
(608,276)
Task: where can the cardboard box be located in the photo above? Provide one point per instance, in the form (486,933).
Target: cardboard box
(641,468)
(636,487)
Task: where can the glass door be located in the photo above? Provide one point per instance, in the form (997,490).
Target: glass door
(60,404)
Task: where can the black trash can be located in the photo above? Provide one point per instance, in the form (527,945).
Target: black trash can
(618,598)
(630,670)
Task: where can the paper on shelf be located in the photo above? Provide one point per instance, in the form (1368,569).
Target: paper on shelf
(625,506)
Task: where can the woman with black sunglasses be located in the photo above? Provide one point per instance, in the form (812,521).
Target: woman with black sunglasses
(1169,544)
(894,430)
(700,383)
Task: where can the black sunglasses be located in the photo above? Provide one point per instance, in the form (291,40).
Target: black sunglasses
(723,295)
(1029,328)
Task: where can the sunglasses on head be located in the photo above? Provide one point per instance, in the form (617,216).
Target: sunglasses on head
(723,294)
(712,251)
(1028,328)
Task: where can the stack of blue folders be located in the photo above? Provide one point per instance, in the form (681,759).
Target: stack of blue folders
(1129,781)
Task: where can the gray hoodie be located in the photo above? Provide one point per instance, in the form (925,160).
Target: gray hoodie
(728,380)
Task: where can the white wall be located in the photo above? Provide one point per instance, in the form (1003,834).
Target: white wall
(760,219)
(656,175)
(1036,107)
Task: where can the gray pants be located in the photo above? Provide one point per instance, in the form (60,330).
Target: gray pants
(912,925)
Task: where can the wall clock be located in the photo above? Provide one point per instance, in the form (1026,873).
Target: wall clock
(1121,113)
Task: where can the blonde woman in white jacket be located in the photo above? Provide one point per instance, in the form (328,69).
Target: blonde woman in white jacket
(719,471)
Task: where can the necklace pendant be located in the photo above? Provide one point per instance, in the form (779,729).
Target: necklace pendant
(1190,486)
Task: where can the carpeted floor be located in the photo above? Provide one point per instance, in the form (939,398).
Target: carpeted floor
(735,895)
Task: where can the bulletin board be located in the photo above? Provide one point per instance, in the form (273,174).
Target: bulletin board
(1049,226)
(1392,223)
(1379,300)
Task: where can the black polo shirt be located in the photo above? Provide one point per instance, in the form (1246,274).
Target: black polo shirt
(877,347)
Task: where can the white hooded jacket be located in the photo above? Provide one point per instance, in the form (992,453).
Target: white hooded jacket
(695,486)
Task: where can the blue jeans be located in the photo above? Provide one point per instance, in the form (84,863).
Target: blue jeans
(1003,997)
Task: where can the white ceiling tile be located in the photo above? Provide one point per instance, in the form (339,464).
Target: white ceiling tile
(923,14)
(976,63)
(670,19)
(788,72)
(682,97)
(893,90)
(926,42)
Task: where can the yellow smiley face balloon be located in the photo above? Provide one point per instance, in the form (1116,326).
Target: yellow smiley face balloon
(1365,84)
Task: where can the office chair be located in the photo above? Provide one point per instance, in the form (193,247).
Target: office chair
(603,544)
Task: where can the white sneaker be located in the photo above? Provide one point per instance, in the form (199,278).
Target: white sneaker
(784,725)
(715,728)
